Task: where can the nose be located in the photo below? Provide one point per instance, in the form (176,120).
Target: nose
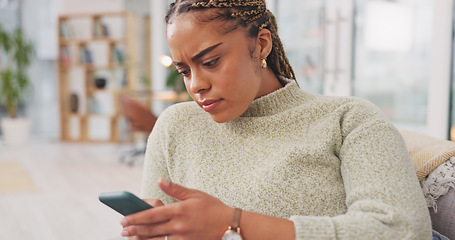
(199,82)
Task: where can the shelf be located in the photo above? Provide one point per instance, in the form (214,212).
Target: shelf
(87,115)
(91,46)
(82,42)
(163,96)
(72,114)
(92,15)
(92,90)
(89,67)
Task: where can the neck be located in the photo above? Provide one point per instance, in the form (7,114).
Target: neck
(270,83)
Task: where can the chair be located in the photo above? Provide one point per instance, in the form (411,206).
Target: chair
(135,107)
(142,121)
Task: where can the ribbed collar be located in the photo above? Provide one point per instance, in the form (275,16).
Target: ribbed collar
(280,100)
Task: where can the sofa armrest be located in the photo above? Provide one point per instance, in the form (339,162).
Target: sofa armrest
(443,220)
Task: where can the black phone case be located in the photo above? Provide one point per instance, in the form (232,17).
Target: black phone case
(124,202)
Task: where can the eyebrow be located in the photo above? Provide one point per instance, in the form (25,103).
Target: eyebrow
(201,53)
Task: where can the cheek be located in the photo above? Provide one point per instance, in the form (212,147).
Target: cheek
(239,83)
(247,73)
(240,67)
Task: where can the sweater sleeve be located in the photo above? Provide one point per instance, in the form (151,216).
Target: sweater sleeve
(155,162)
(383,197)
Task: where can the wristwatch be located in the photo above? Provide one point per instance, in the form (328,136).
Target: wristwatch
(233,232)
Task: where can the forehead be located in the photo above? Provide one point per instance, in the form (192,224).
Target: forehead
(187,23)
(186,34)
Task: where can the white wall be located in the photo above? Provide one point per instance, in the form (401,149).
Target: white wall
(89,6)
(39,24)
(438,92)
(159,47)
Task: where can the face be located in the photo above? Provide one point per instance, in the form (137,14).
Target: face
(219,71)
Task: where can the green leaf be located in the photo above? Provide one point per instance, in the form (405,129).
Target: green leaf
(14,83)
(5,40)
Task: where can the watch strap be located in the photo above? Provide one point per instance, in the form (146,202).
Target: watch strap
(236,219)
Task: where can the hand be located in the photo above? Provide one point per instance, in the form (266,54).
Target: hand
(197,216)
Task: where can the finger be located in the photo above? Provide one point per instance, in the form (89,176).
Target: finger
(147,238)
(154,202)
(134,238)
(148,217)
(177,191)
(146,231)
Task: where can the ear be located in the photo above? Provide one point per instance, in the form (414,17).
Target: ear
(264,43)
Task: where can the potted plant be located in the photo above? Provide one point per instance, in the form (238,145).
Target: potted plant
(175,80)
(16,54)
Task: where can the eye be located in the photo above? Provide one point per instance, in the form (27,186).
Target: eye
(211,63)
(185,73)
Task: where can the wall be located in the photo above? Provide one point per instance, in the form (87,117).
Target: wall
(89,6)
(39,24)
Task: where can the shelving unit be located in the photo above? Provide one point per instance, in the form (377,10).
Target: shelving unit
(98,60)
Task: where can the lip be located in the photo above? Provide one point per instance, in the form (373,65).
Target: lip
(209,105)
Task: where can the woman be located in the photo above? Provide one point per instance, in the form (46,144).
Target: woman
(268,160)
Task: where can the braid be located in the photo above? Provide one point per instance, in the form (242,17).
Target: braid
(252,14)
(282,63)
(252,9)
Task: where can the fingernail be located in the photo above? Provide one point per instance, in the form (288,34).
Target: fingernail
(165,182)
(124,222)
(125,233)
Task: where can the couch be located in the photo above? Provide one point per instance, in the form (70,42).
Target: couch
(434,162)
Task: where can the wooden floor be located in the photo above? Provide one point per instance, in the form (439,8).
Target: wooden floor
(64,203)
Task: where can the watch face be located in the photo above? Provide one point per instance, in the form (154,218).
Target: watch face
(231,235)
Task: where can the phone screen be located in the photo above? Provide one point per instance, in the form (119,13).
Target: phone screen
(124,202)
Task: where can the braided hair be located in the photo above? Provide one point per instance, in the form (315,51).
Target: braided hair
(253,15)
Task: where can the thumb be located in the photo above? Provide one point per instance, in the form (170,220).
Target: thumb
(176,191)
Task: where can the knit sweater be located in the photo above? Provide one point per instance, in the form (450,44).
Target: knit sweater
(335,166)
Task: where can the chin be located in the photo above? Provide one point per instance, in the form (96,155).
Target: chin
(221,119)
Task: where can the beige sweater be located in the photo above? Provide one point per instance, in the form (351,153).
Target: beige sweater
(335,166)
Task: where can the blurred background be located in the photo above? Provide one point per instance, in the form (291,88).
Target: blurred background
(89,55)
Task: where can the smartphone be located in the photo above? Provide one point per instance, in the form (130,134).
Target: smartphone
(124,202)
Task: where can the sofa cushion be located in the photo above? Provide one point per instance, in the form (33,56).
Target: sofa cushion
(438,182)
(426,152)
